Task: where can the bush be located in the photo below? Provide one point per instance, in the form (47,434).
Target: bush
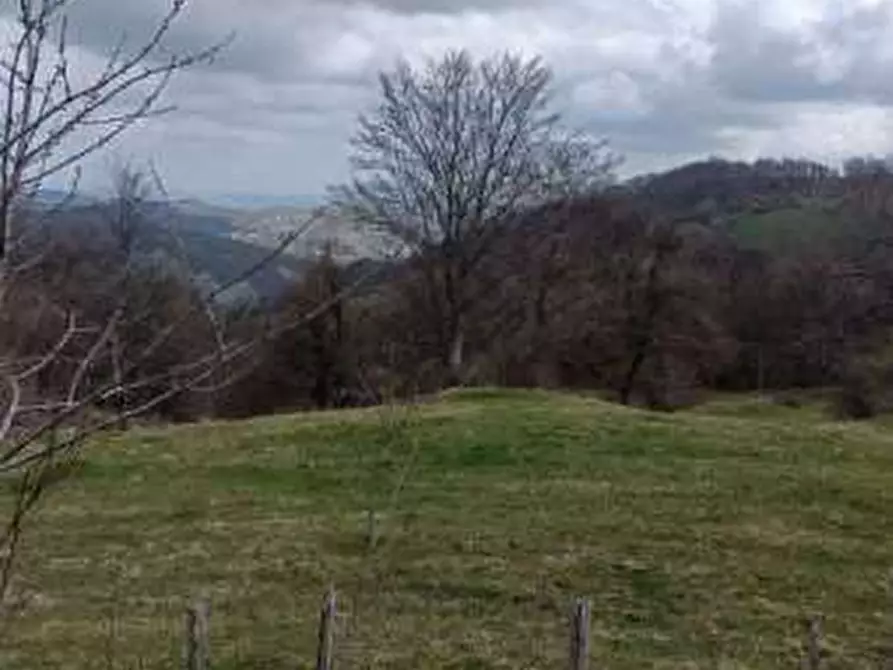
(792,399)
(866,388)
(857,399)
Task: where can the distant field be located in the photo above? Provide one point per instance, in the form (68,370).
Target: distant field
(702,538)
(789,229)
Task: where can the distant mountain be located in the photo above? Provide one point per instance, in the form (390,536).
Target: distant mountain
(54,197)
(219,243)
(254,201)
(733,187)
(192,239)
(348,241)
(777,205)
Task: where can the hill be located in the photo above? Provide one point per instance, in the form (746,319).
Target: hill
(220,243)
(703,538)
(788,230)
(721,186)
(772,205)
(264,227)
(203,239)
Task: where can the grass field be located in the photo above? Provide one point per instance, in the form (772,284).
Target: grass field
(702,538)
(788,230)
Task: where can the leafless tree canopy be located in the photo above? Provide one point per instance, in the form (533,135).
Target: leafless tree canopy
(451,152)
(46,105)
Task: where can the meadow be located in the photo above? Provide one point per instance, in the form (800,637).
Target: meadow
(703,538)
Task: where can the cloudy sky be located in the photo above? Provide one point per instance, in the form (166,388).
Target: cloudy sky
(663,80)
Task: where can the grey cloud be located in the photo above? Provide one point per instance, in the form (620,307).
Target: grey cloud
(272,39)
(274,112)
(679,117)
(844,57)
(287,108)
(757,77)
(439,6)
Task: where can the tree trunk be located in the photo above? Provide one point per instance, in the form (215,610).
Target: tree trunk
(456,356)
(118,376)
(5,237)
(454,344)
(642,327)
(629,379)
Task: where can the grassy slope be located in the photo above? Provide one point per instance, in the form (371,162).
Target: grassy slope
(703,538)
(787,230)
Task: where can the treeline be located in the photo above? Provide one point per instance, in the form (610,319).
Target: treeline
(521,261)
(526,263)
(609,293)
(619,291)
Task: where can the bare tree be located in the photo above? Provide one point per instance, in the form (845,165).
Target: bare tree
(51,119)
(75,363)
(46,105)
(450,153)
(111,338)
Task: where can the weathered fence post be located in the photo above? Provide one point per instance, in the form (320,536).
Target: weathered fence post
(580,635)
(813,660)
(888,655)
(196,645)
(371,529)
(326,643)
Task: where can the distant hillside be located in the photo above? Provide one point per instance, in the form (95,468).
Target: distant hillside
(773,205)
(735,186)
(266,227)
(253,201)
(768,204)
(222,242)
(204,240)
(787,229)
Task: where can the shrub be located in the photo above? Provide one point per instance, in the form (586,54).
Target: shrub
(858,398)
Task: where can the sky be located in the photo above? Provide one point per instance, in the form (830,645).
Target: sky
(664,81)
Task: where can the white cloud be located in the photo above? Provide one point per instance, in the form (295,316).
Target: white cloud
(827,132)
(664,80)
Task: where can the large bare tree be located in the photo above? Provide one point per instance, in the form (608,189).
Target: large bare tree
(74,363)
(51,117)
(451,152)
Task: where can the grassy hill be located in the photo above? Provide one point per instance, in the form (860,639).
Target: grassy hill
(788,230)
(702,538)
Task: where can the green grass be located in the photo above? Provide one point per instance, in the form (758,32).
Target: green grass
(789,229)
(702,538)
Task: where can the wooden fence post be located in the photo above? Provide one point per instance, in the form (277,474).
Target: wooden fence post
(888,655)
(813,660)
(371,529)
(326,642)
(579,658)
(196,645)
